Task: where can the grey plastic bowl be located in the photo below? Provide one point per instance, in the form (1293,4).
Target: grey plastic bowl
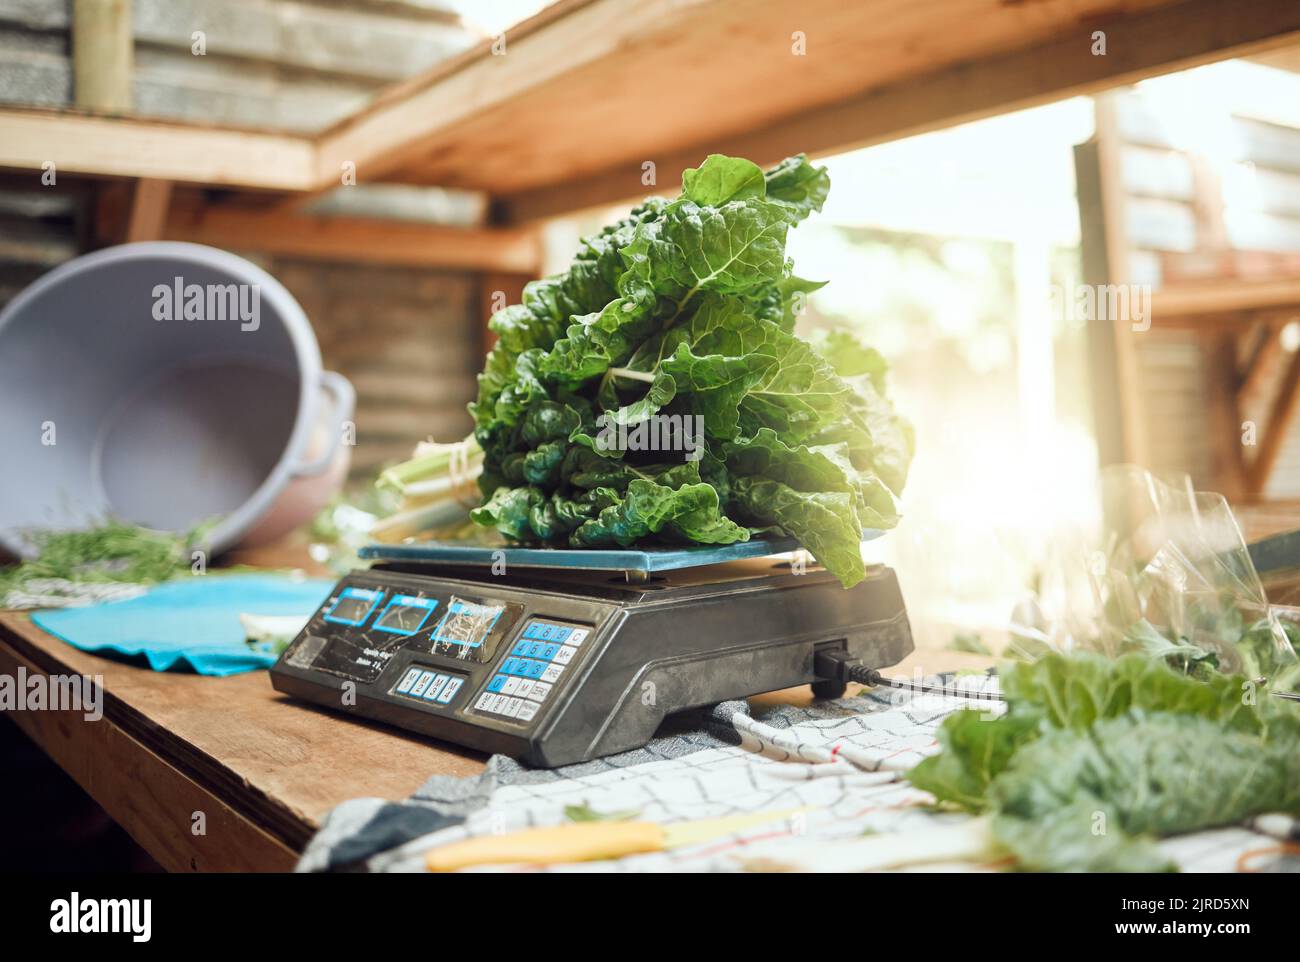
(106,411)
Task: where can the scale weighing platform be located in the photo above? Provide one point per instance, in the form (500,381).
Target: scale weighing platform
(557,656)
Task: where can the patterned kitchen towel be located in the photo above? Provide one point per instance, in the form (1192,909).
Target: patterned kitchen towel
(842,759)
(191,622)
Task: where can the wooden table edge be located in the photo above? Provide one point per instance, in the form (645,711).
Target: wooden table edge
(182,823)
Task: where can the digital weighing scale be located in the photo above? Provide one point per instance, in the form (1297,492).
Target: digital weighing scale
(558,656)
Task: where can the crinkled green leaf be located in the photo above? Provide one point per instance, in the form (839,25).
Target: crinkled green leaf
(729,249)
(825,522)
(691,512)
(507,511)
(602,436)
(603,339)
(818,468)
(851,358)
(1094,758)
(717,383)
(721,179)
(975,749)
(1074,691)
(798,184)
(1072,799)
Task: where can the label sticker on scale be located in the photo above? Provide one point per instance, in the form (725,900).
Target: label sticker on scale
(530,670)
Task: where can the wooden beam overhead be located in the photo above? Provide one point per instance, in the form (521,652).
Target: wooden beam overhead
(507,250)
(1139,44)
(107,147)
(612,83)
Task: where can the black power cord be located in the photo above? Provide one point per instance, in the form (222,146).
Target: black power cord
(835,665)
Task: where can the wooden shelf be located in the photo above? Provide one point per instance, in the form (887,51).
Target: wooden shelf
(103,146)
(1203,300)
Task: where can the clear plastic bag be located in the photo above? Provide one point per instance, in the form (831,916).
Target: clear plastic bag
(1165,571)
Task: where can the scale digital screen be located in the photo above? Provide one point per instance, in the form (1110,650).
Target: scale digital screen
(353,606)
(405,614)
(466,630)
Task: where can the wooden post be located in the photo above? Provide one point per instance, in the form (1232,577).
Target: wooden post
(1227,464)
(148,210)
(1112,362)
(102,55)
(1262,363)
(1281,415)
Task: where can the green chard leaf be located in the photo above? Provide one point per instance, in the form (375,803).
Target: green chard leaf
(717,383)
(825,522)
(729,249)
(851,358)
(975,750)
(720,179)
(601,435)
(690,512)
(820,468)
(1096,758)
(798,184)
(1092,800)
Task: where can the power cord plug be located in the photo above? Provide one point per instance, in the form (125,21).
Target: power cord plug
(836,667)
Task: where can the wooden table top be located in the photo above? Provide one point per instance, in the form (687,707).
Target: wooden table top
(263,769)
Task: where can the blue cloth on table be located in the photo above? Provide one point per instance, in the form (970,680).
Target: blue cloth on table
(192,622)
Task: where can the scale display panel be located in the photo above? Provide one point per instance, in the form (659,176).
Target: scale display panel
(353,606)
(405,614)
(466,630)
(361,629)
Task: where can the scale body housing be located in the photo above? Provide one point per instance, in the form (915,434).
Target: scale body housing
(676,640)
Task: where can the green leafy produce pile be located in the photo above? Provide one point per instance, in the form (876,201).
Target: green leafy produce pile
(113,552)
(1095,758)
(687,307)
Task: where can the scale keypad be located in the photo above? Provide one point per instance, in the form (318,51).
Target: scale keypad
(528,674)
(429,685)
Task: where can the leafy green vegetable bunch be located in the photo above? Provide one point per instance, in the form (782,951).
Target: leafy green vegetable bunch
(1095,758)
(112,552)
(686,310)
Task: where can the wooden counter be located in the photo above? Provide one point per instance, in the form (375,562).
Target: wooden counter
(262,768)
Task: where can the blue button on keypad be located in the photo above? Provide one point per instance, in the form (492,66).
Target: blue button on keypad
(497,683)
